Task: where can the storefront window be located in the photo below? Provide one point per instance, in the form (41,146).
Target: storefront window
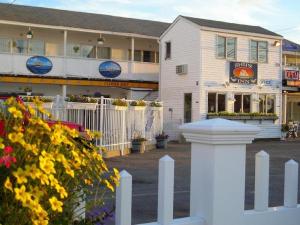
(242,103)
(20,46)
(36,47)
(88,51)
(104,53)
(266,103)
(4,45)
(259,51)
(216,102)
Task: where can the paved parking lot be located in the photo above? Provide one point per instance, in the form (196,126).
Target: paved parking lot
(144,169)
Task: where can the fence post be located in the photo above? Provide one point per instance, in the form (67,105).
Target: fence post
(291,184)
(101,119)
(123,199)
(165,190)
(261,195)
(123,131)
(218,169)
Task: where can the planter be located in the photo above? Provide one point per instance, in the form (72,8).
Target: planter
(156,108)
(45,105)
(137,108)
(119,108)
(161,143)
(243,117)
(81,105)
(138,146)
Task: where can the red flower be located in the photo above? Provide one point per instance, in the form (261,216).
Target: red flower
(7,160)
(8,150)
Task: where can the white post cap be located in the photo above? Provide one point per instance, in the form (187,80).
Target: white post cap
(219,131)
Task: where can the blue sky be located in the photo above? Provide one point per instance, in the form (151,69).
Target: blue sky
(281,16)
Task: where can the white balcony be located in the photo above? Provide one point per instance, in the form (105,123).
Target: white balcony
(15,64)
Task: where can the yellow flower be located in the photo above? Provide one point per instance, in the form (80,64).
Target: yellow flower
(20,174)
(109,186)
(20,193)
(46,165)
(70,172)
(61,191)
(44,179)
(8,184)
(15,112)
(2,145)
(32,171)
(15,137)
(36,192)
(55,204)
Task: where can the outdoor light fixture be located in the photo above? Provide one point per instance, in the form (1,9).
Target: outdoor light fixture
(29,34)
(276,43)
(100,40)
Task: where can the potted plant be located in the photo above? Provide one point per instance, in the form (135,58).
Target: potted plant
(47,103)
(161,140)
(138,105)
(81,102)
(76,49)
(119,104)
(156,106)
(138,144)
(284,131)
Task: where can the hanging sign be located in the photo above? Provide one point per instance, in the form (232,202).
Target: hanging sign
(243,73)
(110,69)
(39,65)
(291,75)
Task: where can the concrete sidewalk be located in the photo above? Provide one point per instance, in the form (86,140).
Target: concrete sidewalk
(144,169)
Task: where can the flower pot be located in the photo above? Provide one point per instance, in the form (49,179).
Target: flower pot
(119,108)
(45,105)
(137,108)
(161,143)
(82,105)
(138,146)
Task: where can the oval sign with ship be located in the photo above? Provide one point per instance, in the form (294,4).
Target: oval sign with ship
(110,69)
(39,65)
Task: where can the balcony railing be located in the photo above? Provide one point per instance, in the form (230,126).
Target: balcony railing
(79,67)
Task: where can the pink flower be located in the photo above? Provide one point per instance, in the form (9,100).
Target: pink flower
(8,150)
(7,160)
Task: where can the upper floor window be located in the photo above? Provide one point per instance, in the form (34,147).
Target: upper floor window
(168,50)
(103,53)
(36,47)
(20,46)
(5,45)
(259,51)
(216,102)
(226,47)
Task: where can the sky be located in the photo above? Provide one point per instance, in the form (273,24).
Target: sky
(280,16)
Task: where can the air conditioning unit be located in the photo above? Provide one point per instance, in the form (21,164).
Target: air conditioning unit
(182,69)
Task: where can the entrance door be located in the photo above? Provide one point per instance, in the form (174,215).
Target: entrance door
(187,107)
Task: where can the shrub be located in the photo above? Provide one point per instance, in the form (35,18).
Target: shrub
(138,103)
(43,168)
(119,102)
(155,104)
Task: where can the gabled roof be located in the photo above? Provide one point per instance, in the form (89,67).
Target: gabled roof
(231,26)
(290,46)
(65,18)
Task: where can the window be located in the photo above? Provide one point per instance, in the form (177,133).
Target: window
(242,103)
(54,49)
(187,107)
(215,102)
(168,50)
(36,47)
(104,53)
(88,51)
(226,47)
(20,46)
(259,51)
(118,54)
(5,45)
(266,103)
(149,56)
(137,55)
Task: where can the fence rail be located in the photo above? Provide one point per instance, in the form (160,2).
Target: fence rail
(218,160)
(117,126)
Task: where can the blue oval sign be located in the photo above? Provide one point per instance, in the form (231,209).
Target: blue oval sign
(110,69)
(39,65)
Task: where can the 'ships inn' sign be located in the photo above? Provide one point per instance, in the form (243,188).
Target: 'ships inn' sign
(291,75)
(243,73)
(110,69)
(39,65)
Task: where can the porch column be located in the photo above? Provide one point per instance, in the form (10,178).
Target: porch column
(131,67)
(64,87)
(284,107)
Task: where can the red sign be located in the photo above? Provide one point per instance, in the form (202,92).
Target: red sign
(291,74)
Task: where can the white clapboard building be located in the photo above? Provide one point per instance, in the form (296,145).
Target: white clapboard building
(214,69)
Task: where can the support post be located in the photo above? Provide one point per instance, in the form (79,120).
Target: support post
(218,158)
(291,184)
(165,190)
(123,117)
(123,199)
(101,119)
(131,68)
(261,195)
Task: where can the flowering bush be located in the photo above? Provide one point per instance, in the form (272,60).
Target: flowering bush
(120,102)
(138,103)
(43,168)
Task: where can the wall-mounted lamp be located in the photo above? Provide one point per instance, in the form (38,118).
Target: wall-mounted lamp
(276,43)
(29,34)
(100,40)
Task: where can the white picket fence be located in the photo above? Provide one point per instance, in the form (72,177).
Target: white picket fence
(117,126)
(218,159)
